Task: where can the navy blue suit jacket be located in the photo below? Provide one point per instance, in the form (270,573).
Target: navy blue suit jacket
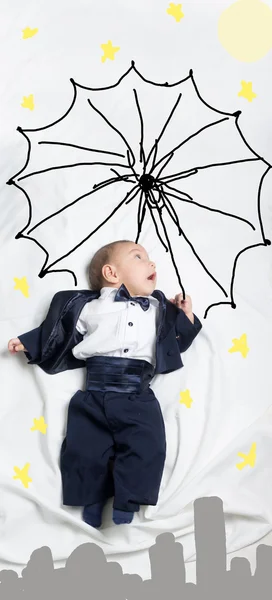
(50,345)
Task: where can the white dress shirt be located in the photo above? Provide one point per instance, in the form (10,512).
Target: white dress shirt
(120,329)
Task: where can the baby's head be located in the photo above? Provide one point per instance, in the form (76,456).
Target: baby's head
(125,262)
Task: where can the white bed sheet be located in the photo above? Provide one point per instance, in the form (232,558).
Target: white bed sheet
(231,394)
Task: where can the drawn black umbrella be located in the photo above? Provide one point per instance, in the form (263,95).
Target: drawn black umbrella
(159,149)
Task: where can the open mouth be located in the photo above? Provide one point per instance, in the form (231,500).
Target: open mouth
(152,277)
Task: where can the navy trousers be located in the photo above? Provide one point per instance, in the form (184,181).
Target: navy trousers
(117,421)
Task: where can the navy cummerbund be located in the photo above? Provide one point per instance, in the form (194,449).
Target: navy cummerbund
(111,373)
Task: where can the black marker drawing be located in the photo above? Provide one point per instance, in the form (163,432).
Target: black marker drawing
(159,146)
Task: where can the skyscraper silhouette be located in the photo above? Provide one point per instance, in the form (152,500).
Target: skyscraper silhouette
(210,541)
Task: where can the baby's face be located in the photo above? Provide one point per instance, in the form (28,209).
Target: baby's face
(134,268)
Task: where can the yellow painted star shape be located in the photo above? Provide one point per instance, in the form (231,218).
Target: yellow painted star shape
(22,285)
(22,474)
(175,11)
(28,32)
(185,398)
(39,425)
(28,102)
(240,345)
(249,459)
(109,51)
(246,91)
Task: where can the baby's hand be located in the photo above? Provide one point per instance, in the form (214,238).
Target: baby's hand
(185,305)
(15,345)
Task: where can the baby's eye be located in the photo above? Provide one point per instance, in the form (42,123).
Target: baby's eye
(138,255)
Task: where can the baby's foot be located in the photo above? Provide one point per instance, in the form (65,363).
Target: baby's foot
(92,514)
(122,516)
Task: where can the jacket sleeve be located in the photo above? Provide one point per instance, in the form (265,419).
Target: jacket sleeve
(32,342)
(49,345)
(186,331)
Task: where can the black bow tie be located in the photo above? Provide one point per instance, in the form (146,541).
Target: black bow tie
(123,294)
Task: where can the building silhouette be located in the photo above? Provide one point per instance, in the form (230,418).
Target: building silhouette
(87,574)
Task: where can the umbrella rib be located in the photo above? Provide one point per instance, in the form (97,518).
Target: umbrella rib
(195,170)
(222,212)
(177,176)
(134,195)
(161,134)
(114,180)
(82,148)
(114,128)
(175,218)
(193,250)
(174,189)
(169,244)
(155,224)
(131,166)
(83,164)
(142,152)
(189,138)
(97,228)
(140,217)
(164,166)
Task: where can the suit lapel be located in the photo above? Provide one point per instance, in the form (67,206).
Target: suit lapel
(167,314)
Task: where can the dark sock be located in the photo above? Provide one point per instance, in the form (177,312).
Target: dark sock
(122,516)
(92,514)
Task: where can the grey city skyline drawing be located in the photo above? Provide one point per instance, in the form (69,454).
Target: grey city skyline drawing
(87,574)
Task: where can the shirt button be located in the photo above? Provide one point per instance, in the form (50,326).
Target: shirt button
(130,324)
(132,304)
(126,350)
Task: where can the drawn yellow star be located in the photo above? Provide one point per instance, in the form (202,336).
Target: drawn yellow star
(22,474)
(240,345)
(249,459)
(39,425)
(28,102)
(185,398)
(28,32)
(22,285)
(109,51)
(175,11)
(246,91)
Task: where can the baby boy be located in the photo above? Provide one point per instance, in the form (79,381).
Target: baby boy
(123,331)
